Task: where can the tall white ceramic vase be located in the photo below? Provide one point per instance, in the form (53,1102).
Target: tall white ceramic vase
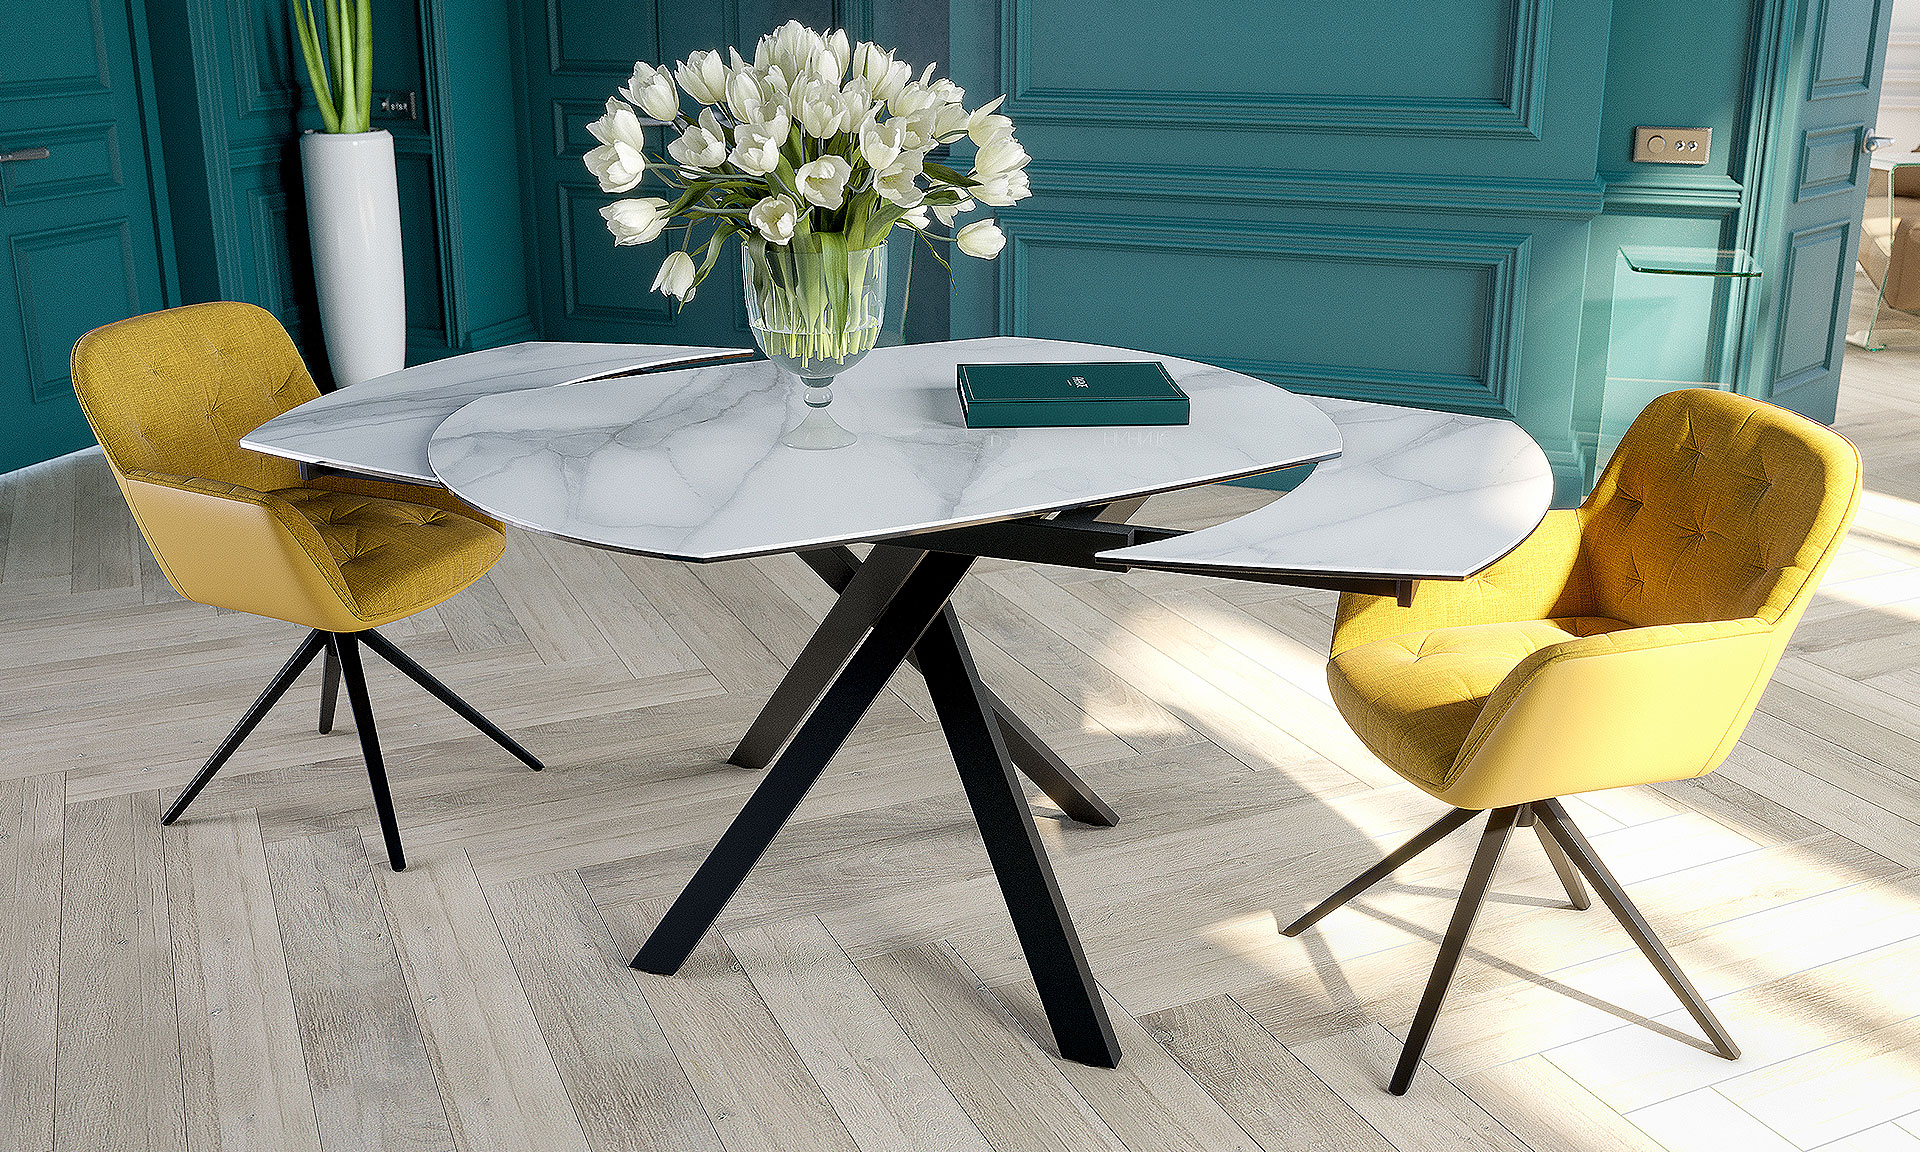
(353,217)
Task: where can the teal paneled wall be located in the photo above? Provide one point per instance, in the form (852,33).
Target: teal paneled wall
(1413,203)
(233,101)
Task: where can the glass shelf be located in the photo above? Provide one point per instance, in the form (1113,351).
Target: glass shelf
(1690,261)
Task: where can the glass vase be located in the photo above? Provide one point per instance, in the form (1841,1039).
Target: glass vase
(815,308)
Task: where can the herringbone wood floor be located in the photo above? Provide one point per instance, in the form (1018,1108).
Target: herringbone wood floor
(256,978)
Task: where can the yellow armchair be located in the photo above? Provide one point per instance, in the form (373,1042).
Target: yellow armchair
(169,395)
(1626,641)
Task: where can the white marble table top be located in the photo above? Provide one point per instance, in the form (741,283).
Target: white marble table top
(688,465)
(1415,494)
(381,427)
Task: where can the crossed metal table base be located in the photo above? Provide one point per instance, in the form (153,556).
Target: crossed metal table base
(895,608)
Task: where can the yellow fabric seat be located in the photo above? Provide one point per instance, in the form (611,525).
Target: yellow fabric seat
(169,396)
(1626,641)
(1413,699)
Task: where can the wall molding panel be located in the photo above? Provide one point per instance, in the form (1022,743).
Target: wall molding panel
(1830,160)
(1815,283)
(99,170)
(48,338)
(1463,195)
(1515,114)
(1844,67)
(1501,259)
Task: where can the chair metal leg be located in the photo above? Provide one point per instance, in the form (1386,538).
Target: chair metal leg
(275,688)
(1562,867)
(384,648)
(348,650)
(1553,815)
(1493,843)
(329,688)
(1434,833)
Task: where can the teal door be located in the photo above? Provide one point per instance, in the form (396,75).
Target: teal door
(77,220)
(1821,189)
(578,53)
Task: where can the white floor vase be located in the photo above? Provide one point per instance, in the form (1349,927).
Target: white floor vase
(353,217)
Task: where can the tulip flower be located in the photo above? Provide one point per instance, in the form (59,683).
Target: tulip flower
(982,239)
(617,166)
(1000,158)
(676,277)
(756,147)
(775,217)
(880,145)
(816,106)
(651,90)
(947,213)
(896,185)
(703,145)
(635,221)
(824,181)
(703,76)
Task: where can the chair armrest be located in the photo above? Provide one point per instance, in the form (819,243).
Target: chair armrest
(1636,706)
(236,547)
(1540,579)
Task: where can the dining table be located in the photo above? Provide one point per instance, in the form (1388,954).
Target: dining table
(676,453)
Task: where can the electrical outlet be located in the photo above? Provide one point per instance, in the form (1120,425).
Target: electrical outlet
(1671,145)
(396,105)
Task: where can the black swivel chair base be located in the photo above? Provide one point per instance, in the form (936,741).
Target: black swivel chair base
(1571,857)
(343,664)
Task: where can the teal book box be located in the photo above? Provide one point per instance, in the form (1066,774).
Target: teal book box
(1053,395)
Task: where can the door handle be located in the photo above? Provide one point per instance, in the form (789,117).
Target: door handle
(25,154)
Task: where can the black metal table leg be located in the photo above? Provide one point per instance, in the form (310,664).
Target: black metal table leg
(826,651)
(917,603)
(863,596)
(1040,918)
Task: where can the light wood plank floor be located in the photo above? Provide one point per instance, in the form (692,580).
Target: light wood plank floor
(257,978)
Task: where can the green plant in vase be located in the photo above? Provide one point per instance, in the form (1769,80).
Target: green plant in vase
(341,70)
(812,154)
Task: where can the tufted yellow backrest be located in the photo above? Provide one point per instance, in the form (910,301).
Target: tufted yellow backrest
(1716,507)
(174,391)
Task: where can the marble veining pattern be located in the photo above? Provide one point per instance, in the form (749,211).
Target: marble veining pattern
(1414,494)
(688,464)
(381,427)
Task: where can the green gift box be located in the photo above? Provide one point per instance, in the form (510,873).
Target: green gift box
(1075,395)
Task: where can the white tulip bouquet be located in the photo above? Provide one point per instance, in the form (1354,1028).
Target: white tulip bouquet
(816,146)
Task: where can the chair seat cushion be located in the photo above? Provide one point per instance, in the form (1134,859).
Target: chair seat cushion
(1413,699)
(397,557)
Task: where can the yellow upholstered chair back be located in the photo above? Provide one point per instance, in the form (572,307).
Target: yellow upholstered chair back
(1624,642)
(1716,508)
(173,392)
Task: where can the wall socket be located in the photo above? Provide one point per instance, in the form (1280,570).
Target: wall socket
(396,105)
(1671,145)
